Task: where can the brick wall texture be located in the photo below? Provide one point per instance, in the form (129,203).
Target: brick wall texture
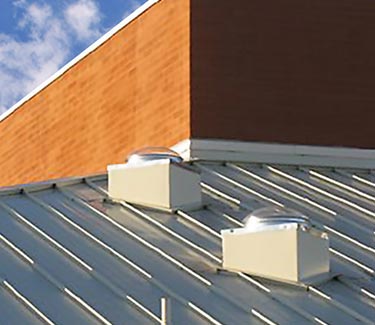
(131,92)
(291,71)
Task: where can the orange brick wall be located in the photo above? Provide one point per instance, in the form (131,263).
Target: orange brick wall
(296,71)
(131,92)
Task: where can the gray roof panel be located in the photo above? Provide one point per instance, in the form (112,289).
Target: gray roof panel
(76,258)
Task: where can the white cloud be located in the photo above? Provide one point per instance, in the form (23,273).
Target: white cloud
(24,64)
(35,15)
(83,17)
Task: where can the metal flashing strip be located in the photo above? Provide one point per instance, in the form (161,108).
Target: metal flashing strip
(80,56)
(273,153)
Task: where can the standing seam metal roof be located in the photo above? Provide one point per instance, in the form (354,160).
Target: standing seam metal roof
(70,256)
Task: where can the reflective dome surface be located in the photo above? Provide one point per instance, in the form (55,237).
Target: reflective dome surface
(152,154)
(276,217)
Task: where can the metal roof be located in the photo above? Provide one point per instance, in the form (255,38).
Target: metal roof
(70,256)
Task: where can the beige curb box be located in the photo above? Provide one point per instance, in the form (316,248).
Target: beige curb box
(158,184)
(290,255)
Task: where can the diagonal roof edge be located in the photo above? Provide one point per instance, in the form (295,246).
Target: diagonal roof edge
(80,56)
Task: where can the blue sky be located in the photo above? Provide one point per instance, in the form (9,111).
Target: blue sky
(37,37)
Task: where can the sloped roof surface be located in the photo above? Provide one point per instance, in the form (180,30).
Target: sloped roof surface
(70,257)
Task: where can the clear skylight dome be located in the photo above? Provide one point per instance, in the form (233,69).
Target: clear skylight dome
(276,217)
(152,154)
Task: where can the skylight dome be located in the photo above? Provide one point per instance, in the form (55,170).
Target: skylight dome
(265,218)
(151,154)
